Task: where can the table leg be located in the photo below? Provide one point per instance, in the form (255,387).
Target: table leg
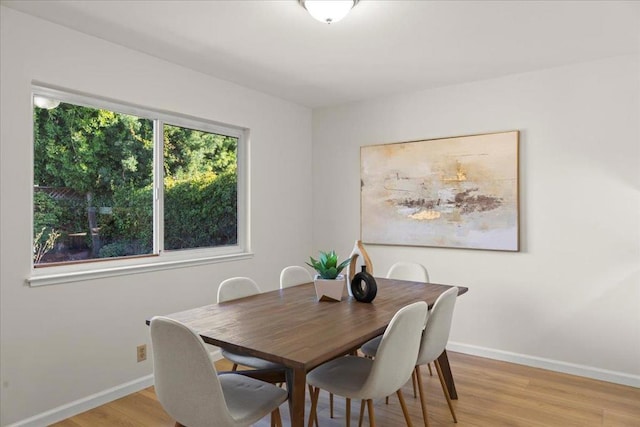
(296,384)
(448,376)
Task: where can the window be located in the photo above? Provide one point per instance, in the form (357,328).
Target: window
(117,181)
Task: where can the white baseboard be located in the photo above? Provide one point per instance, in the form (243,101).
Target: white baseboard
(74,408)
(549,364)
(93,401)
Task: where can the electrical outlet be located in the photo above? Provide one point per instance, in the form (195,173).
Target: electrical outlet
(142,352)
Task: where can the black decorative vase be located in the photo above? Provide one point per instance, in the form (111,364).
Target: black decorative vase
(363,286)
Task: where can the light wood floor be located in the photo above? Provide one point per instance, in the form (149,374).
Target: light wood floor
(491,393)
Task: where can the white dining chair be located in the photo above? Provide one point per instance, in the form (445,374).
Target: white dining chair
(231,289)
(294,275)
(434,342)
(191,391)
(366,379)
(401,270)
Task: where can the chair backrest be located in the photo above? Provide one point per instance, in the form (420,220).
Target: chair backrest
(186,381)
(408,271)
(294,275)
(397,353)
(436,332)
(237,287)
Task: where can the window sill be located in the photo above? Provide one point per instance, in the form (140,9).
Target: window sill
(69,274)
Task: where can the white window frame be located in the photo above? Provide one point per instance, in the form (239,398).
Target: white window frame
(159,259)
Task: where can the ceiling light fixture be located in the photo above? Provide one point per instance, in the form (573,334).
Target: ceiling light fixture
(328,11)
(47,103)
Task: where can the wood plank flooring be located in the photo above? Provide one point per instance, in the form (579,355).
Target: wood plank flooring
(491,393)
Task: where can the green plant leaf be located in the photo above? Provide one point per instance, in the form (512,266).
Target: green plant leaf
(327,265)
(324,258)
(330,273)
(343,264)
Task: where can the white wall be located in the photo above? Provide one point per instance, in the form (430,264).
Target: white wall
(570,299)
(66,342)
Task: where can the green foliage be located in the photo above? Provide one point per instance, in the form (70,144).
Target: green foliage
(200,212)
(46,213)
(190,153)
(91,150)
(66,216)
(73,218)
(46,216)
(124,248)
(327,266)
(130,225)
(43,243)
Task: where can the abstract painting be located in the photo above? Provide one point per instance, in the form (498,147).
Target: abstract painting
(458,192)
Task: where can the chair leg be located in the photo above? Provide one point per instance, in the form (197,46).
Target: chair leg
(372,417)
(404,408)
(234,367)
(360,418)
(430,371)
(179,425)
(413,382)
(423,403)
(348,412)
(314,405)
(276,420)
(445,389)
(331,405)
(311,397)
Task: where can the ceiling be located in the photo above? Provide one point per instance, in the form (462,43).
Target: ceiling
(380,48)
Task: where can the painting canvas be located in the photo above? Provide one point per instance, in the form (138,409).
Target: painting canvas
(459,192)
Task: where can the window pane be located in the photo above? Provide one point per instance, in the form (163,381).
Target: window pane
(200,189)
(93,178)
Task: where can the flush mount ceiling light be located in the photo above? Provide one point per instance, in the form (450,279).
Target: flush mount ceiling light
(328,11)
(42,102)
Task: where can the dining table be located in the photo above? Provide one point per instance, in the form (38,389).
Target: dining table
(293,328)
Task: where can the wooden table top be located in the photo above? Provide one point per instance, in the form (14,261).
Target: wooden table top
(291,327)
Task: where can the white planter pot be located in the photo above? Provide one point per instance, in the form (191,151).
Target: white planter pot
(330,289)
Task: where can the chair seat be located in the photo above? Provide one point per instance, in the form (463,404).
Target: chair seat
(343,376)
(370,348)
(249,361)
(249,399)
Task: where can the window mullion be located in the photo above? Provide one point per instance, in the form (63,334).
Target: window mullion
(158,186)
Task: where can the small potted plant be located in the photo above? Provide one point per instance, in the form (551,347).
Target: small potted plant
(329,282)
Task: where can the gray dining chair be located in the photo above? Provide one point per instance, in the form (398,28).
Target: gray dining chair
(294,275)
(366,379)
(234,288)
(191,391)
